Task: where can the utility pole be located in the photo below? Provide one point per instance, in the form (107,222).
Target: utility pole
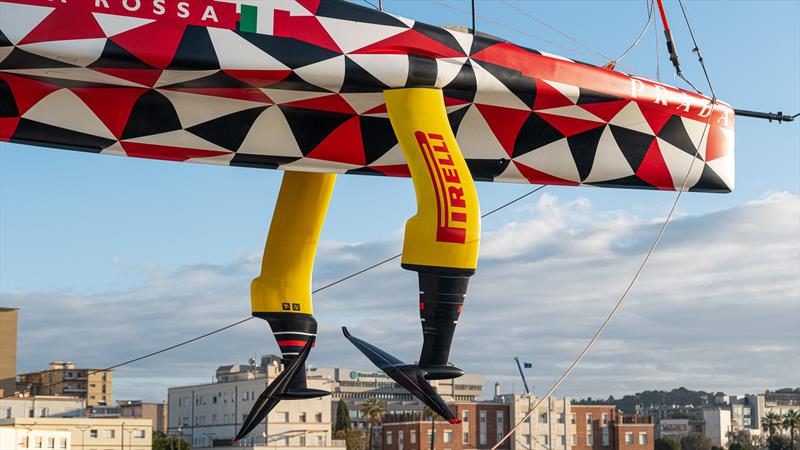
(433,430)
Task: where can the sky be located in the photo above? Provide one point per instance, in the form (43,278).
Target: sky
(110,257)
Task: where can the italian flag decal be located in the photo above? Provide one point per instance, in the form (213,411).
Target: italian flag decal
(248,18)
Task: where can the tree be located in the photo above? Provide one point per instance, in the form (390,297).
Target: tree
(771,423)
(372,410)
(737,446)
(342,417)
(779,442)
(695,441)
(667,443)
(791,420)
(163,442)
(354,439)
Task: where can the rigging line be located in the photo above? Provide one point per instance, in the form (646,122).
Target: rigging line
(696,50)
(372,4)
(532,17)
(641,35)
(510,28)
(239,322)
(627,290)
(658,57)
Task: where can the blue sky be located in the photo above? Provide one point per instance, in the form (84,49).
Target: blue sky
(102,229)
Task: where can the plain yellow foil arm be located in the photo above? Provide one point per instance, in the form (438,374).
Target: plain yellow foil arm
(284,284)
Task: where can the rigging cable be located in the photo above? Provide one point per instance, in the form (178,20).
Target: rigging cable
(525,13)
(515,30)
(659,235)
(696,50)
(625,293)
(239,322)
(613,63)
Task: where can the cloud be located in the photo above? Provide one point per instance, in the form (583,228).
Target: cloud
(718,308)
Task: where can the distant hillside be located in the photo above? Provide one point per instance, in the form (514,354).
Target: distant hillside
(679,396)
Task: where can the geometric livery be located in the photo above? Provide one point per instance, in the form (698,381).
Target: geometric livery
(291,84)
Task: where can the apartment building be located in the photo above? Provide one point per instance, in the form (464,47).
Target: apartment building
(8,350)
(64,379)
(483,424)
(549,427)
(602,427)
(155,412)
(717,425)
(41,406)
(16,438)
(356,386)
(83,433)
(209,415)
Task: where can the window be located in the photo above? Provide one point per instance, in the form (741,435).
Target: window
(430,436)
(499,436)
(448,436)
(302,441)
(464,415)
(499,418)
(560,417)
(109,434)
(284,417)
(138,434)
(605,437)
(589,439)
(412,436)
(44,412)
(400,439)
(466,437)
(303,418)
(482,417)
(51,442)
(482,437)
(38,442)
(214,399)
(543,417)
(93,434)
(31,412)
(572,418)
(528,439)
(605,419)
(6,413)
(589,419)
(544,439)
(642,438)
(628,437)
(62,443)
(563,440)
(318,417)
(574,440)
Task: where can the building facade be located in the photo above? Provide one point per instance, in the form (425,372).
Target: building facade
(602,427)
(483,425)
(549,427)
(64,379)
(21,438)
(356,386)
(8,351)
(155,412)
(41,406)
(209,415)
(717,425)
(84,433)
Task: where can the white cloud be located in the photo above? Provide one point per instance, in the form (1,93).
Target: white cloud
(718,308)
